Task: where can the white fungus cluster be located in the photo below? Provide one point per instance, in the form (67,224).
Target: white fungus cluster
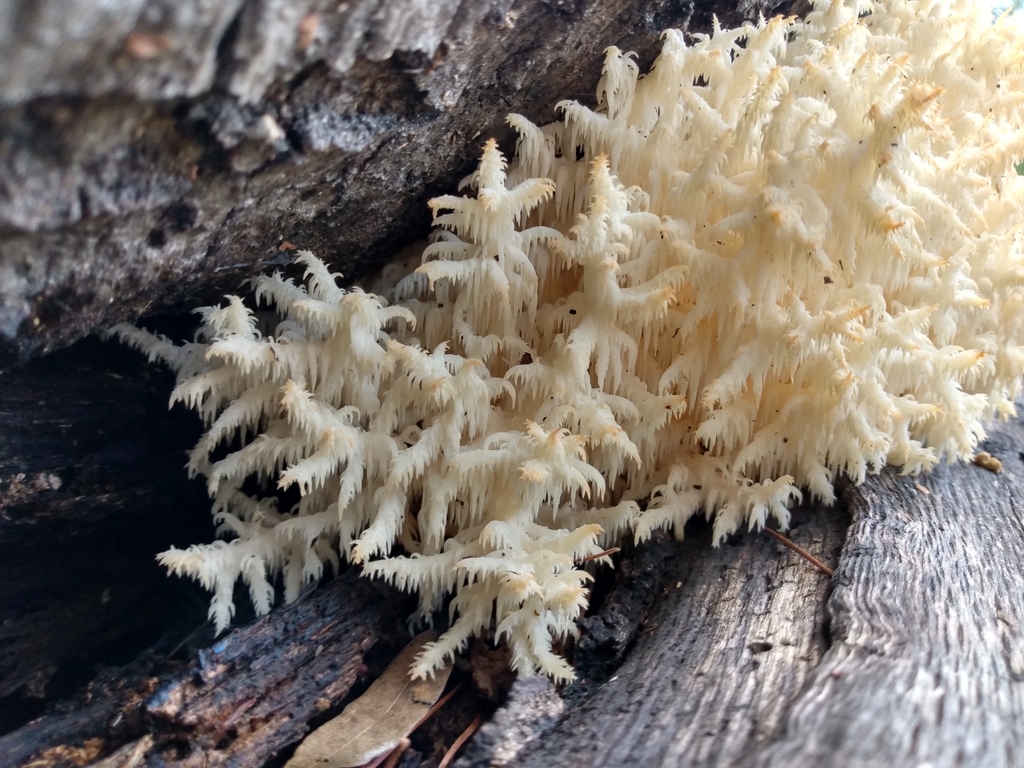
(790,251)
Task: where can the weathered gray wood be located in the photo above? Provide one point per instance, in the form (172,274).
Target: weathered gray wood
(735,633)
(919,661)
(926,665)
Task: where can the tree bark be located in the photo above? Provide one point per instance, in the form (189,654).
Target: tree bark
(156,153)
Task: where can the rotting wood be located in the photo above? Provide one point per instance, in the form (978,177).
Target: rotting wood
(291,665)
(266,682)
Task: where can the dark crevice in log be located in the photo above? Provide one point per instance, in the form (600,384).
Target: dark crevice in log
(92,486)
(613,624)
(532,710)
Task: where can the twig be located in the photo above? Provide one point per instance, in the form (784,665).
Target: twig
(457,745)
(437,705)
(800,551)
(588,558)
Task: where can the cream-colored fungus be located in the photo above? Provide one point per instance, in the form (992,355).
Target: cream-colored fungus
(790,251)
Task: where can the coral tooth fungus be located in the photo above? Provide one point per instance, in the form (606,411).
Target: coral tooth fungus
(790,251)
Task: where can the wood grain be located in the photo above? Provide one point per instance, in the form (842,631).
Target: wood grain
(926,665)
(734,634)
(918,660)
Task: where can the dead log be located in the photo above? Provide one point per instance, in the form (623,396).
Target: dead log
(731,639)
(694,656)
(240,702)
(926,664)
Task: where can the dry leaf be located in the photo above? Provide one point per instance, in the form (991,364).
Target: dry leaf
(379,719)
